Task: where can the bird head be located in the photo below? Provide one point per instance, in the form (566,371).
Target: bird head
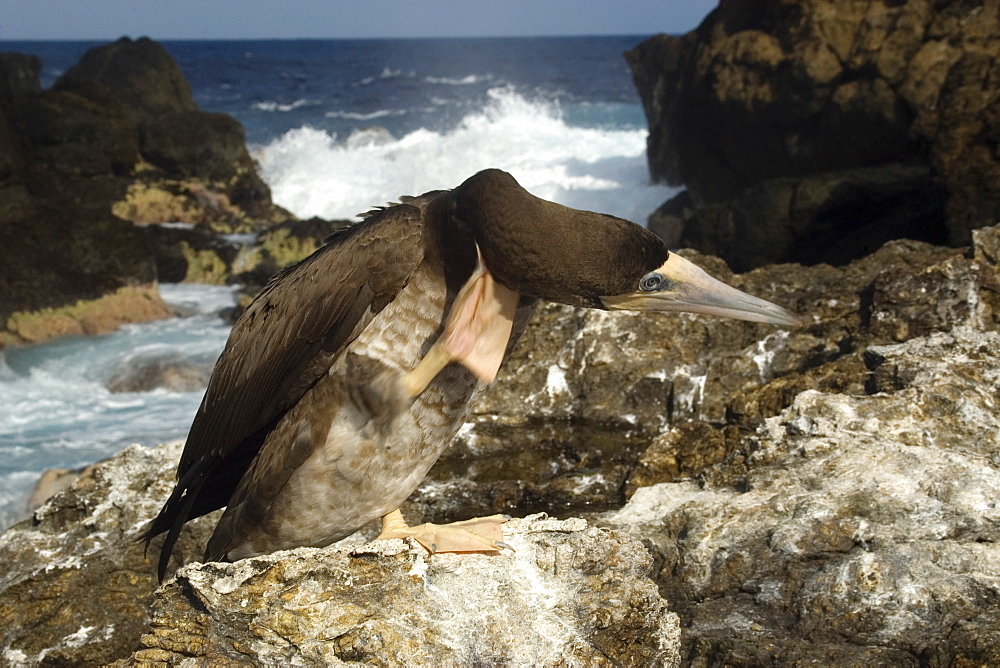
(548,251)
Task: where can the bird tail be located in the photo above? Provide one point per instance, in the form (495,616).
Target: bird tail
(178,510)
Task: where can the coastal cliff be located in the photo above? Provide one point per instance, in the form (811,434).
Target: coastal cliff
(117,142)
(815,131)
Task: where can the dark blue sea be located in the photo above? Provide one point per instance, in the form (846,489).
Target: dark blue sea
(340,125)
(336,126)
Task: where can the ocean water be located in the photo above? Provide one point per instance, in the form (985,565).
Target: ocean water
(57,411)
(336,128)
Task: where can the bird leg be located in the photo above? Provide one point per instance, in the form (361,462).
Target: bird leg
(417,380)
(481,534)
(475,334)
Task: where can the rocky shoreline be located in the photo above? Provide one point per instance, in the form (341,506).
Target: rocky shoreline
(824,494)
(722,493)
(91,169)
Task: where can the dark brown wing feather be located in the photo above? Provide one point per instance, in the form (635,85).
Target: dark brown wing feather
(283,343)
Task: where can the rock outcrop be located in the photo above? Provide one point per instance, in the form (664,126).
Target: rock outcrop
(593,404)
(199,157)
(59,243)
(820,494)
(79,589)
(565,594)
(815,131)
(118,140)
(77,586)
(850,529)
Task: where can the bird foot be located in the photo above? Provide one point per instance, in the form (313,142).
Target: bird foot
(481,534)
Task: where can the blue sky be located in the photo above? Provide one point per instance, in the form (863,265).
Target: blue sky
(259,19)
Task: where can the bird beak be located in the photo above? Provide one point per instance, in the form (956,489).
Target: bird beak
(687,288)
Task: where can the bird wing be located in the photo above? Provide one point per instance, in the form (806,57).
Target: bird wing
(298,324)
(284,342)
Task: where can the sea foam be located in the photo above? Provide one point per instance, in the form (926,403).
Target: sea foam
(315,173)
(55,407)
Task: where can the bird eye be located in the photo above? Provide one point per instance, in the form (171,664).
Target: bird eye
(650,282)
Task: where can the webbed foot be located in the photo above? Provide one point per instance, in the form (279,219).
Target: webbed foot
(480,534)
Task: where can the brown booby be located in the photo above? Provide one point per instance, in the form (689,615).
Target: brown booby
(351,372)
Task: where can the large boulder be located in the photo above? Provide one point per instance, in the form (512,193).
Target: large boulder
(183,142)
(117,141)
(787,119)
(850,529)
(140,74)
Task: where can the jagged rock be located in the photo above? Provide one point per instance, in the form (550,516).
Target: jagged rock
(592,405)
(173,372)
(77,587)
(119,132)
(863,529)
(566,593)
(772,113)
(139,73)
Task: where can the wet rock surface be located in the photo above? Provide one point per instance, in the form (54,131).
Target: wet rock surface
(808,132)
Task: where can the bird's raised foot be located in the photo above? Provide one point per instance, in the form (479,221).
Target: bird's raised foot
(480,534)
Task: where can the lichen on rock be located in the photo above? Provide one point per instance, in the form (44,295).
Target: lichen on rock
(808,132)
(565,593)
(95,316)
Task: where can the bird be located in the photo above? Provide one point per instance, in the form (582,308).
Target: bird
(350,373)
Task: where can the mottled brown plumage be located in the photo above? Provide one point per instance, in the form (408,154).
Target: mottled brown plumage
(334,394)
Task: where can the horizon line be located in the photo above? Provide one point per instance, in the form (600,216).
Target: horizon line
(331,39)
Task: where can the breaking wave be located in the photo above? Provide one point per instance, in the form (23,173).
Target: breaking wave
(313,172)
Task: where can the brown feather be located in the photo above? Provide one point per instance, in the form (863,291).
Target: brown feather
(283,343)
